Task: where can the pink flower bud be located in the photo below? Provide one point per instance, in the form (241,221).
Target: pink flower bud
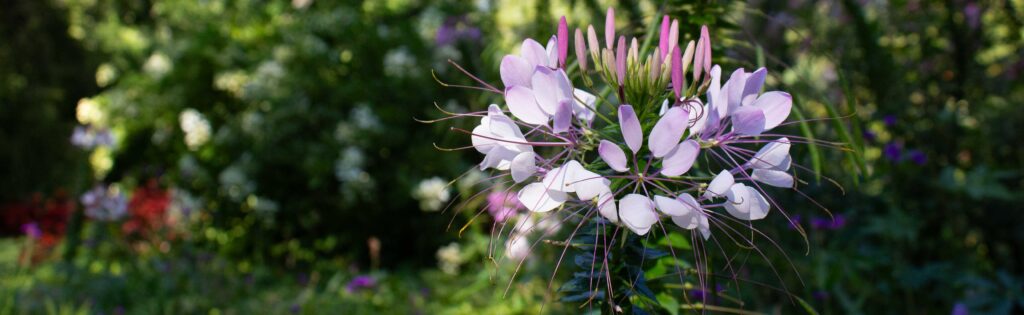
(563,41)
(620,60)
(677,74)
(581,50)
(609,28)
(592,41)
(663,40)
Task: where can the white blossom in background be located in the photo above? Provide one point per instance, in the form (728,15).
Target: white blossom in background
(88,112)
(399,63)
(349,166)
(105,74)
(196,127)
(449,258)
(432,193)
(157,65)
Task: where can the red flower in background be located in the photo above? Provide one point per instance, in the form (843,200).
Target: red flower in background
(146,209)
(46,218)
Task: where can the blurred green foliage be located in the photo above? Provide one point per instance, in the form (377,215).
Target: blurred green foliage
(287,129)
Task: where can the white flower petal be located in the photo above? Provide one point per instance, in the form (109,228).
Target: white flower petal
(637,212)
(773,178)
(589,185)
(606,207)
(562,178)
(499,158)
(773,155)
(720,184)
(537,198)
(523,166)
(671,206)
(583,103)
(746,203)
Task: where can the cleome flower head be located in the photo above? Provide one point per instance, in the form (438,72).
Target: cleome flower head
(657,146)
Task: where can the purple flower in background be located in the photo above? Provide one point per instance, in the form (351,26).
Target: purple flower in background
(959,309)
(502,205)
(889,120)
(456,28)
(869,136)
(892,151)
(820,295)
(361,282)
(795,221)
(302,279)
(699,294)
(836,222)
(918,157)
(972,13)
(295,309)
(32,230)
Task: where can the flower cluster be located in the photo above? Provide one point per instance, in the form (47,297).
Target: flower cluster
(104,203)
(666,136)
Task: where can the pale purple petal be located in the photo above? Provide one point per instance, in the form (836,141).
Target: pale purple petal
(680,160)
(670,206)
(534,53)
(776,106)
(523,105)
(748,121)
(552,51)
(563,41)
(753,87)
(667,131)
(551,87)
(630,126)
(515,71)
(732,91)
(563,117)
(712,123)
(719,185)
(613,155)
(637,212)
(536,198)
(773,178)
(523,166)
